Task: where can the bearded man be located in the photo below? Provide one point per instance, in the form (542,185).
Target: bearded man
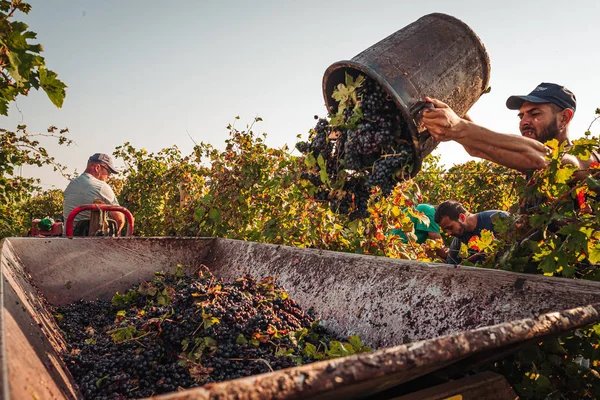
(454,219)
(544,114)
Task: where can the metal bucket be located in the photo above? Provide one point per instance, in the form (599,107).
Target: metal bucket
(437,56)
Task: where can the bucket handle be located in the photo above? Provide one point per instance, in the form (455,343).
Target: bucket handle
(417,109)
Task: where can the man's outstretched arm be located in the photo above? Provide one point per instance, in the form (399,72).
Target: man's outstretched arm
(512,151)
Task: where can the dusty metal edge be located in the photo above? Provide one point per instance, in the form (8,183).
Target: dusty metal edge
(415,263)
(406,263)
(401,262)
(3,366)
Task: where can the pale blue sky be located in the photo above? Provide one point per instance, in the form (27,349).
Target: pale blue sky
(148,71)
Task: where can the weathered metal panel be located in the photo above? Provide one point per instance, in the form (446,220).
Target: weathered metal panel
(29,339)
(88,268)
(389,302)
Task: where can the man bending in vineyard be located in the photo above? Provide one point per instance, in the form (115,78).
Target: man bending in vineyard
(423,230)
(545,114)
(456,221)
(89,186)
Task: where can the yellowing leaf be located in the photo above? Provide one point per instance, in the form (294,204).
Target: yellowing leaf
(594,253)
(464,251)
(564,174)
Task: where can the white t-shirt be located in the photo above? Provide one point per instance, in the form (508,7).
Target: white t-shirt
(83,190)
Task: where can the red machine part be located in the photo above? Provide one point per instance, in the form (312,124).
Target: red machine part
(36,231)
(102,207)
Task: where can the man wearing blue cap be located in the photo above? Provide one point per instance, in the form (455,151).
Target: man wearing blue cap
(545,114)
(89,186)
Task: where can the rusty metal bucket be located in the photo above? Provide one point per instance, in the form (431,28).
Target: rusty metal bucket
(421,317)
(437,56)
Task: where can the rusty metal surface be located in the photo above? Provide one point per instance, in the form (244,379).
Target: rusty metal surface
(437,56)
(449,314)
(29,338)
(89,268)
(390,302)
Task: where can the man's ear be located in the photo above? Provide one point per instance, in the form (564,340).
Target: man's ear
(566,116)
(462,217)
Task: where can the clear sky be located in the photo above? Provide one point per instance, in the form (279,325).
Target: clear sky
(151,71)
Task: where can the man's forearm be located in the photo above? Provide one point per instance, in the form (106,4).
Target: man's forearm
(119,219)
(512,151)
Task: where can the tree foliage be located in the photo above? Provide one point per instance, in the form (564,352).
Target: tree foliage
(17,149)
(249,191)
(478,185)
(22,68)
(47,203)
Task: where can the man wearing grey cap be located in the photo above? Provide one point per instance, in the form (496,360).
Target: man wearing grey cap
(89,186)
(544,114)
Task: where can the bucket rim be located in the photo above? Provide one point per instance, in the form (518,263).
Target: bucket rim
(400,105)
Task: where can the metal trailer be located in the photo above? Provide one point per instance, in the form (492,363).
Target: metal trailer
(420,317)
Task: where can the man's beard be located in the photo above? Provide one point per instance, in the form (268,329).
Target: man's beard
(464,228)
(549,132)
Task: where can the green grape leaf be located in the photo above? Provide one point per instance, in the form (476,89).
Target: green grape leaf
(310,160)
(593,183)
(184,344)
(241,339)
(309,350)
(54,88)
(355,342)
(3,105)
(119,335)
(100,381)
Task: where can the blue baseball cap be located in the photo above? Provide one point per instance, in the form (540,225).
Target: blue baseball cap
(545,93)
(103,159)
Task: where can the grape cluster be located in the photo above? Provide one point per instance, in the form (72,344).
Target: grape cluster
(319,143)
(384,168)
(368,142)
(182,331)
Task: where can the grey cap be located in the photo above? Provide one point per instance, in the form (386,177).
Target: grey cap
(103,159)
